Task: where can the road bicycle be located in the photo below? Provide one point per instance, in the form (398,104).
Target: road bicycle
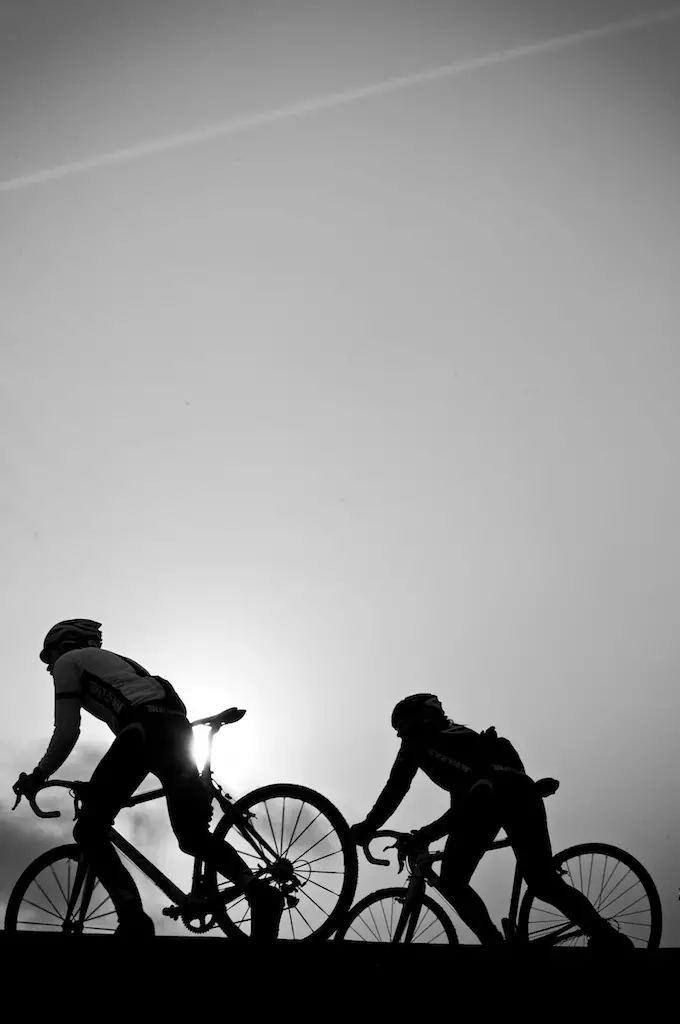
(290,836)
(618,886)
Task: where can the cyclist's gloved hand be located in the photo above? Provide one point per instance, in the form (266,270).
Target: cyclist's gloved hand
(362,833)
(28,785)
(409,845)
(414,842)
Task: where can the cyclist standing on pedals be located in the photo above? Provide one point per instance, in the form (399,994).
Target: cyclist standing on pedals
(153,734)
(489,790)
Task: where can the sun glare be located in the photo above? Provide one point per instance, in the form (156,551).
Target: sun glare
(201,734)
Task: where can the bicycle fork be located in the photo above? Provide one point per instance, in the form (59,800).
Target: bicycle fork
(83,887)
(408,919)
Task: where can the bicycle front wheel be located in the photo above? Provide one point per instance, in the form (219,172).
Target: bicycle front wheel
(618,886)
(299,842)
(383,917)
(56,893)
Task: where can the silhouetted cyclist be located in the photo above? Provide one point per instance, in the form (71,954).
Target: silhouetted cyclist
(489,790)
(152,735)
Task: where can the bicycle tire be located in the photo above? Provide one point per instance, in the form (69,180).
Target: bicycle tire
(347,849)
(55,891)
(623,920)
(374,929)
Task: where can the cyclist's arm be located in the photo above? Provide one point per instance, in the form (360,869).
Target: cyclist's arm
(439,828)
(397,786)
(450,820)
(67,698)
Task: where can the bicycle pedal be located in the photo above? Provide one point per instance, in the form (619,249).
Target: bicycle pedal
(173,912)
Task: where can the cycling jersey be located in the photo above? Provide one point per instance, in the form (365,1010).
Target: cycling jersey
(453,757)
(110,687)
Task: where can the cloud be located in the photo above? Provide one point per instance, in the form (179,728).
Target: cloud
(23,837)
(22,840)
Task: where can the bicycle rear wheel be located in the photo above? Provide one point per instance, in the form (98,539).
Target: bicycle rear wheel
(379,917)
(56,893)
(299,842)
(618,886)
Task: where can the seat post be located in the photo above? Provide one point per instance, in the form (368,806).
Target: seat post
(205,770)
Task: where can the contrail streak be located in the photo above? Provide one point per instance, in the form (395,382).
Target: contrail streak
(242,124)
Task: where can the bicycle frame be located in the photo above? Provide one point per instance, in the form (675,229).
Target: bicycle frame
(154,874)
(210,892)
(422,874)
(85,881)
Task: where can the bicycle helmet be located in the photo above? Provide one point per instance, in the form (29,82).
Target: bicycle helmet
(418,709)
(69,634)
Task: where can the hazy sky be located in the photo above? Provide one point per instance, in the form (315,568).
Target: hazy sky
(347,405)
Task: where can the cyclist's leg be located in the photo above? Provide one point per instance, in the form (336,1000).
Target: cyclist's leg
(189,803)
(476,828)
(113,781)
(524,819)
(190,810)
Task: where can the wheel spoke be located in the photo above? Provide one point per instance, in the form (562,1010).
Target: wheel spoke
(543,931)
(311,899)
(246,853)
(634,913)
(101,904)
(98,917)
(590,874)
(42,924)
(423,930)
(57,914)
(299,813)
(382,908)
(271,826)
(353,928)
(612,895)
(308,825)
(298,911)
(606,881)
(283,819)
(44,910)
(54,873)
(375,925)
(324,887)
(325,856)
(299,856)
(621,895)
(553,913)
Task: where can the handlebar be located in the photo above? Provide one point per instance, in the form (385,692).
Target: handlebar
(388,834)
(75,787)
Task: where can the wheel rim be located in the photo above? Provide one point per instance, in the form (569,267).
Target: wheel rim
(379,922)
(45,901)
(299,851)
(614,888)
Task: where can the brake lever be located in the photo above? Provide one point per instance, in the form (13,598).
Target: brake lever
(401,857)
(17,791)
